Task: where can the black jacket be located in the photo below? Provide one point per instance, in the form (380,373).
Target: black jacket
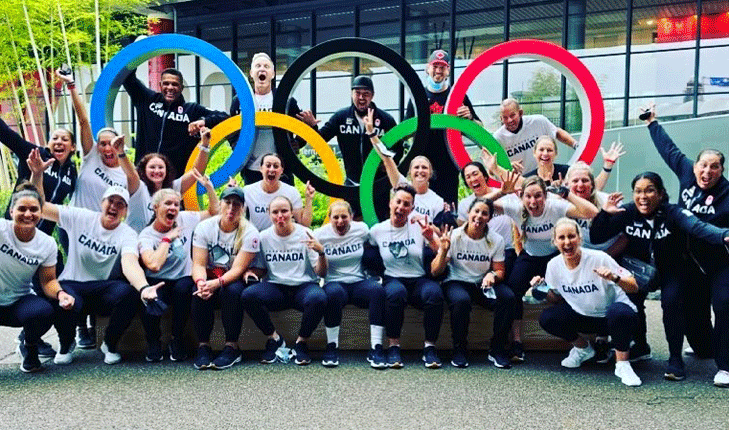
(710,205)
(669,222)
(353,142)
(163,128)
(59,181)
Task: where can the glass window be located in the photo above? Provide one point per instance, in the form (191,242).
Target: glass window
(334,23)
(427,28)
(714,70)
(714,23)
(661,73)
(253,37)
(664,27)
(541,21)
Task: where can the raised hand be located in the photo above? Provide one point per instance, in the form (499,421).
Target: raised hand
(118,143)
(314,244)
(611,155)
(517,166)
(612,203)
(428,229)
(204,180)
(488,159)
(67,79)
(464,112)
(205,136)
(194,127)
(445,238)
(509,181)
(308,117)
(605,273)
(36,163)
(309,192)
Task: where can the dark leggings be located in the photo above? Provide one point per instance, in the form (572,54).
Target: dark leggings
(525,268)
(116,299)
(640,329)
(178,293)
(32,313)
(720,303)
(267,296)
(562,321)
(674,322)
(422,293)
(460,295)
(203,313)
(366,293)
(697,299)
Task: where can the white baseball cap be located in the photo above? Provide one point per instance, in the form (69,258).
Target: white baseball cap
(117,191)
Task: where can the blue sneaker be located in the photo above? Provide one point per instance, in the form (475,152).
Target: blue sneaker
(675,370)
(460,357)
(394,360)
(517,352)
(301,353)
(331,356)
(500,360)
(31,363)
(269,355)
(376,358)
(154,352)
(227,358)
(430,358)
(204,357)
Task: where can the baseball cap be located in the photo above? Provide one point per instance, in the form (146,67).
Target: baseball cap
(233,192)
(363,83)
(439,56)
(116,191)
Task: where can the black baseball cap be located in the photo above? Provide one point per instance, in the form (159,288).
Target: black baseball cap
(363,83)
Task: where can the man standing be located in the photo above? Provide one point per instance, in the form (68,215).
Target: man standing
(437,89)
(347,124)
(166,123)
(519,133)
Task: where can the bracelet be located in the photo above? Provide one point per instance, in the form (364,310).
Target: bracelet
(60,290)
(166,239)
(71,85)
(371,135)
(606,170)
(122,154)
(617,279)
(143,288)
(205,149)
(321,253)
(197,281)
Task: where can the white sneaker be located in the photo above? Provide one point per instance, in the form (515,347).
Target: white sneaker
(110,357)
(624,371)
(577,356)
(66,358)
(721,379)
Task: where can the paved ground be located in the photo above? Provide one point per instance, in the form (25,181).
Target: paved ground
(538,394)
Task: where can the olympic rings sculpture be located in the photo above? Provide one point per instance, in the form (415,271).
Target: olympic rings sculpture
(129,58)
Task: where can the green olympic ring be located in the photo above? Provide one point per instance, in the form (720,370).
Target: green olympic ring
(406,129)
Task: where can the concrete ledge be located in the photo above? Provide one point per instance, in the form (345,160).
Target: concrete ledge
(354,332)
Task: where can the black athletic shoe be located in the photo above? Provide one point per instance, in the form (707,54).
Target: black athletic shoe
(376,358)
(675,370)
(177,350)
(154,352)
(31,363)
(517,352)
(331,356)
(430,358)
(204,357)
(460,357)
(269,355)
(394,360)
(500,360)
(45,350)
(301,354)
(85,338)
(227,358)
(640,352)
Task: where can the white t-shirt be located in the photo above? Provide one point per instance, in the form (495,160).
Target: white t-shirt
(94,253)
(499,224)
(264,143)
(288,260)
(471,259)
(178,262)
(401,248)
(428,204)
(93,180)
(538,240)
(520,145)
(140,210)
(257,202)
(20,260)
(344,253)
(221,245)
(585,225)
(586,292)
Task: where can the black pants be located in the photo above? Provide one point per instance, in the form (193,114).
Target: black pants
(525,268)
(31,312)
(231,312)
(562,321)
(697,294)
(116,299)
(460,295)
(421,293)
(178,294)
(640,329)
(364,294)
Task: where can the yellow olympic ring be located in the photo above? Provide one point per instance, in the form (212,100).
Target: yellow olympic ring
(268,119)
